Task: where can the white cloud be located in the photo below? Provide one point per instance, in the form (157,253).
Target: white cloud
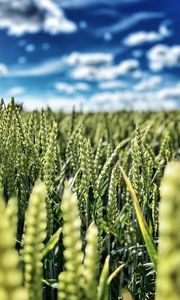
(64,88)
(31,103)
(106,98)
(127,66)
(55,103)
(3,70)
(71,88)
(162,56)
(114,84)
(109,72)
(128,22)
(66,104)
(141,105)
(46,68)
(170,105)
(86,61)
(148,83)
(163,98)
(81,86)
(85,66)
(141,37)
(16,91)
(87,72)
(59,25)
(31,16)
(169,93)
(92,59)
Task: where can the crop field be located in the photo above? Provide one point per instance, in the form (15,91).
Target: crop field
(89,205)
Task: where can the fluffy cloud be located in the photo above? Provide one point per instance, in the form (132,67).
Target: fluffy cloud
(3,70)
(109,72)
(83,61)
(162,98)
(127,66)
(162,56)
(65,88)
(111,98)
(49,67)
(169,93)
(81,66)
(66,104)
(148,83)
(55,103)
(114,84)
(31,16)
(141,37)
(81,86)
(93,59)
(16,91)
(71,88)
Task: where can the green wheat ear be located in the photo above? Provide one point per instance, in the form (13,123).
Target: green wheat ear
(90,263)
(168,277)
(35,233)
(10,274)
(79,280)
(12,213)
(112,207)
(71,280)
(103,288)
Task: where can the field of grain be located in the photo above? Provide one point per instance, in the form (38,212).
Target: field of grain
(79,209)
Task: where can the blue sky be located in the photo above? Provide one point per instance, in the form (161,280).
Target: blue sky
(96,54)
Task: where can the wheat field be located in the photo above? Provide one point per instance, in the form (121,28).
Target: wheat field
(89,205)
